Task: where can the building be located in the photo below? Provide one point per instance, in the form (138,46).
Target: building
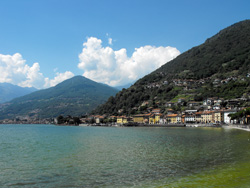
(227,119)
(198,117)
(218,116)
(190,118)
(171,118)
(123,120)
(207,117)
(138,118)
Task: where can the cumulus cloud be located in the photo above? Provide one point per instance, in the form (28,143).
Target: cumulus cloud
(14,70)
(105,65)
(59,78)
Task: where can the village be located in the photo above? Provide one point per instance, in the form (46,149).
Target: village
(210,112)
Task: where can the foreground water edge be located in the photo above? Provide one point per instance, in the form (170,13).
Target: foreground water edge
(51,156)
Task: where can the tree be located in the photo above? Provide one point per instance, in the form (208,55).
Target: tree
(60,120)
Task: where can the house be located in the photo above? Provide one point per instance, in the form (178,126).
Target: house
(99,119)
(208,102)
(227,119)
(183,118)
(123,120)
(156,111)
(152,119)
(178,118)
(193,104)
(198,117)
(170,104)
(190,118)
(207,117)
(158,118)
(216,107)
(171,118)
(139,118)
(113,118)
(233,103)
(146,118)
(170,111)
(218,116)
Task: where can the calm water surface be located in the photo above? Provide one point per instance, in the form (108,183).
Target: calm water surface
(53,156)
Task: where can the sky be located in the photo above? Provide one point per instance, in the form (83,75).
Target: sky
(116,42)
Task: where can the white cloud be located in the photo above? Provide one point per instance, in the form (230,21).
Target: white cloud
(110,41)
(14,70)
(59,78)
(105,65)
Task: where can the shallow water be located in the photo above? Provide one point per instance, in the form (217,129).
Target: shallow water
(53,156)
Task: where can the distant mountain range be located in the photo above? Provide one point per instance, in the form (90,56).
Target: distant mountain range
(10,91)
(123,86)
(76,96)
(220,67)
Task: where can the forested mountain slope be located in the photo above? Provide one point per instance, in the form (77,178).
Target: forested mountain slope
(75,96)
(220,67)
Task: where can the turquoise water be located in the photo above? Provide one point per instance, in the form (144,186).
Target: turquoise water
(53,156)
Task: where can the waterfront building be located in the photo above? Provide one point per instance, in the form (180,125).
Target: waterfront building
(123,120)
(227,119)
(218,116)
(207,117)
(139,118)
(171,118)
(198,117)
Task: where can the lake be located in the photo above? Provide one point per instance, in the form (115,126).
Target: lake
(60,156)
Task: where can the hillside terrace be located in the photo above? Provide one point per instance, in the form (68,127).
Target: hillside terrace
(193,84)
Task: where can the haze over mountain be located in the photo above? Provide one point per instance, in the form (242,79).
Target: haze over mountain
(75,97)
(10,91)
(220,67)
(124,86)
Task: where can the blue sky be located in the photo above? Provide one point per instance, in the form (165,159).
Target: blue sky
(51,34)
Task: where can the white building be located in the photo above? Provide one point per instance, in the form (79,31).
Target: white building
(227,119)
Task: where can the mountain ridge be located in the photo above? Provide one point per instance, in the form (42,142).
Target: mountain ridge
(75,96)
(217,68)
(9,91)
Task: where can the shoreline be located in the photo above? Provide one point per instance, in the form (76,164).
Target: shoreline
(239,127)
(226,126)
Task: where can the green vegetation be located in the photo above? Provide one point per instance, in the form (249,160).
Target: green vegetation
(74,97)
(241,114)
(218,68)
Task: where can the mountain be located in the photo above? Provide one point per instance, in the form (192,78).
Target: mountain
(220,67)
(10,91)
(123,86)
(75,97)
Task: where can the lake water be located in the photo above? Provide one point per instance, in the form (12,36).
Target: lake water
(53,156)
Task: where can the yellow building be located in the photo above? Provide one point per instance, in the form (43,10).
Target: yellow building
(218,117)
(123,120)
(157,118)
(207,117)
(138,118)
(152,119)
(119,120)
(172,118)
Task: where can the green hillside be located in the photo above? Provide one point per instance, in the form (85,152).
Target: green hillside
(220,67)
(75,97)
